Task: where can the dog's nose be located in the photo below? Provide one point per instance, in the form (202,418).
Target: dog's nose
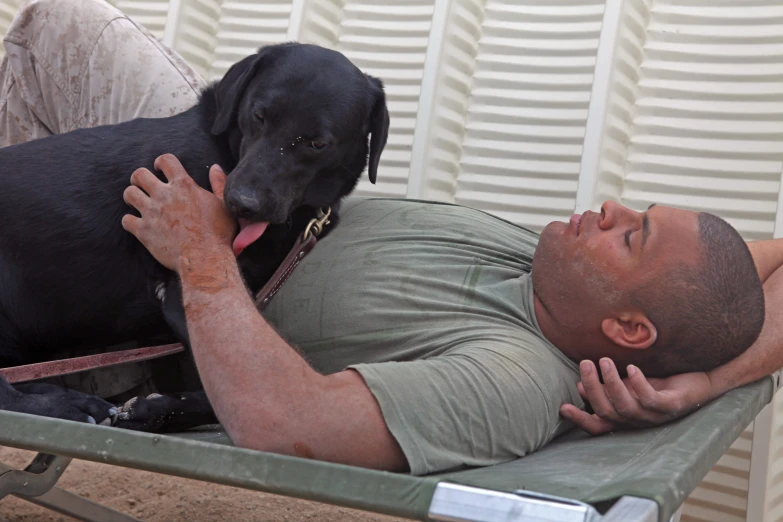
(243,203)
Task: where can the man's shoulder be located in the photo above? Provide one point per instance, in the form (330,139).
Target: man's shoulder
(523,350)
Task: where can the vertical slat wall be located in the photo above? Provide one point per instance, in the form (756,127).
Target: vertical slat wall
(490,102)
(723,494)
(389,40)
(446,92)
(321,22)
(708,119)
(528,107)
(246,25)
(773,508)
(197,32)
(513,87)
(613,103)
(152,14)
(7,11)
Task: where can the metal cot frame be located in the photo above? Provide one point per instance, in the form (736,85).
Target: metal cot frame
(208,455)
(450,502)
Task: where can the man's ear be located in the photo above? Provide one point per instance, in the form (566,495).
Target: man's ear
(632,330)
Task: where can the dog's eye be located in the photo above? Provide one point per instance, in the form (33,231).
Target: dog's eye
(260,116)
(317,145)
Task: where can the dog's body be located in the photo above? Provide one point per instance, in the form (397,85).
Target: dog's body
(290,131)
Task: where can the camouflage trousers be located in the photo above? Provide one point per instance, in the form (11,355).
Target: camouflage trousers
(82,63)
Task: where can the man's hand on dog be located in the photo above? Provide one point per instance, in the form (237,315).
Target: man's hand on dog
(634,402)
(180,221)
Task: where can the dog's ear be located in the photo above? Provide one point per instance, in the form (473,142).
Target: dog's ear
(230,90)
(379,127)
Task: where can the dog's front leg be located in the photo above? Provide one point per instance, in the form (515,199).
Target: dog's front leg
(170,412)
(49,400)
(169,294)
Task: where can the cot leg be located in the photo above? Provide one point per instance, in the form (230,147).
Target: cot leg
(73,505)
(36,484)
(36,479)
(632,509)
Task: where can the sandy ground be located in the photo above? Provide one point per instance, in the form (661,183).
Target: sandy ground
(153,497)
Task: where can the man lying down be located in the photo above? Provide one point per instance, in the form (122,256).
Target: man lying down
(417,336)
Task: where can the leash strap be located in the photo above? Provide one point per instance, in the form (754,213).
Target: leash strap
(301,248)
(31,372)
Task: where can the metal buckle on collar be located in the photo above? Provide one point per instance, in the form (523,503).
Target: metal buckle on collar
(317,224)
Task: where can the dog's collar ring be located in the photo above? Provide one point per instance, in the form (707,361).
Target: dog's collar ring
(317,224)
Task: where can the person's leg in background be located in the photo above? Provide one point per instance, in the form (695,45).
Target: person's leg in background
(71,64)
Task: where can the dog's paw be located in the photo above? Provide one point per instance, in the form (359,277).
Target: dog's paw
(143,413)
(168,413)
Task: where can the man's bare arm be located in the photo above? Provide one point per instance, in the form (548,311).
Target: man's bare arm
(766,354)
(767,255)
(263,392)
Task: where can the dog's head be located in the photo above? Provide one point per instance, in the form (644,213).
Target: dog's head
(298,118)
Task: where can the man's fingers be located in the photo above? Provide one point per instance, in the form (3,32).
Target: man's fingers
(622,400)
(132,224)
(580,387)
(170,166)
(217,179)
(145,180)
(136,198)
(595,394)
(648,396)
(592,424)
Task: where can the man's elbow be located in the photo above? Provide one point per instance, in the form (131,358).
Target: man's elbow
(260,439)
(249,436)
(242,439)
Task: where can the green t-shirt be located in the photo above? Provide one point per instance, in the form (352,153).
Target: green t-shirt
(433,305)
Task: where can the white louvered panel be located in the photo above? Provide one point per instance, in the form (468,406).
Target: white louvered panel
(151,14)
(526,119)
(321,22)
(246,25)
(434,176)
(616,133)
(389,40)
(722,495)
(707,131)
(197,32)
(7,11)
(774,494)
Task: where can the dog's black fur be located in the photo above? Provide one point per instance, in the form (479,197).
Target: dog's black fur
(289,124)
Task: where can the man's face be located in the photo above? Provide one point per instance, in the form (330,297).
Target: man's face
(583,269)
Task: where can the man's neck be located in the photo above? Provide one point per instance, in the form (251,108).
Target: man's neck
(560,336)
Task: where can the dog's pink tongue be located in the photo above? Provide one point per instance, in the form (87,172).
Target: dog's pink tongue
(248,234)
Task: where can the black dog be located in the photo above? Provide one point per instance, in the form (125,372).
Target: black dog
(289,124)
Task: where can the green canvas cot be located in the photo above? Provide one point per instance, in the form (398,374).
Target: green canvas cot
(633,476)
